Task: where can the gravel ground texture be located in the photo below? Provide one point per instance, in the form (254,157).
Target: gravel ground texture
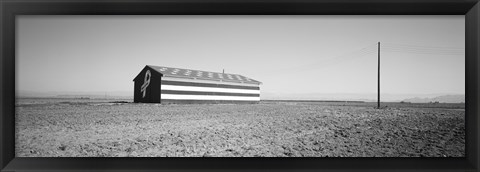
(88,128)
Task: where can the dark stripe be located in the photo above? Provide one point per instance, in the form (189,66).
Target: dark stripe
(208,93)
(172,101)
(208,85)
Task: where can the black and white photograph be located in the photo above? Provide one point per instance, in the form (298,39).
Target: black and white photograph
(240,86)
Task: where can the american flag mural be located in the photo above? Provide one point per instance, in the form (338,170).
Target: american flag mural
(158,84)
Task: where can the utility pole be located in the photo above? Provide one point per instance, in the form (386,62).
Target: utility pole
(378,81)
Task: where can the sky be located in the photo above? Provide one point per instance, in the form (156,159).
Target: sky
(300,57)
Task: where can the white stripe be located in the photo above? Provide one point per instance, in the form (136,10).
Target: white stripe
(208,89)
(165,78)
(207,97)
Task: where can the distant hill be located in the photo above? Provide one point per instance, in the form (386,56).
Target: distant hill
(440,99)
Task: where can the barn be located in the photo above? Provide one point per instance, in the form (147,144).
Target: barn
(166,85)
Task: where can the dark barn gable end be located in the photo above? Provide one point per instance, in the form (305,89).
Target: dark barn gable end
(158,84)
(152,95)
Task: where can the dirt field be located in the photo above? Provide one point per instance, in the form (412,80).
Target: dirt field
(90,128)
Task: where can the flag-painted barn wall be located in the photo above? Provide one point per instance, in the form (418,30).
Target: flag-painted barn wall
(173,90)
(176,85)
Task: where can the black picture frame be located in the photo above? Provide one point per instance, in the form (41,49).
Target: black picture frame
(10,8)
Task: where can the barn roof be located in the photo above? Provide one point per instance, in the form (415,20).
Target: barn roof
(206,75)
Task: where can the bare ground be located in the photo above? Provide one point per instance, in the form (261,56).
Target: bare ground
(269,129)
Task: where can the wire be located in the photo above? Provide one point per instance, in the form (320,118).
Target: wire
(423,46)
(393,51)
(422,52)
(422,49)
(356,54)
